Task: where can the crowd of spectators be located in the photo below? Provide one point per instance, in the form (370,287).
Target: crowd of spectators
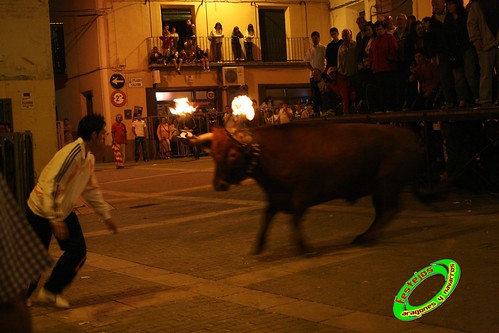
(448,60)
(178,50)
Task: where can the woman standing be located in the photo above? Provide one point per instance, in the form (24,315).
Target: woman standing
(236,44)
(216,37)
(163,133)
(249,35)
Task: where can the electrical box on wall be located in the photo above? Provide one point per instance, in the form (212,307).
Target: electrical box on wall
(156,76)
(233,76)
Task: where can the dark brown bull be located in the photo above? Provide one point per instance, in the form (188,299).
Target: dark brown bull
(302,165)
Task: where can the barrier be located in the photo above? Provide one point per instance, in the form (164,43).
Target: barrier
(470,136)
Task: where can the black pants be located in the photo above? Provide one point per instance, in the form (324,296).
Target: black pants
(248,46)
(74,247)
(140,140)
(316,96)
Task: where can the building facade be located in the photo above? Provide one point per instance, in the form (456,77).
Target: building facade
(101,50)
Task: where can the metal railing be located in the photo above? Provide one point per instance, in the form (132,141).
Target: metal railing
(296,47)
(16,164)
(204,123)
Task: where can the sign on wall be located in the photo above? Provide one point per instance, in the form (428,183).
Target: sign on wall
(135,82)
(117,81)
(118,98)
(27,101)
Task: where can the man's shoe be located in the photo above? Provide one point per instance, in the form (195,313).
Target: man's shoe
(57,300)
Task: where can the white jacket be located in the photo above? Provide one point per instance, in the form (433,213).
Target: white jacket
(68,175)
(478,30)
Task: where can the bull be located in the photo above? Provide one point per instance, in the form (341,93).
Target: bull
(300,165)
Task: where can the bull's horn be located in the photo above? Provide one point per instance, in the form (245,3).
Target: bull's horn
(204,138)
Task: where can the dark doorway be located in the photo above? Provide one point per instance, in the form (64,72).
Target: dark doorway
(88,95)
(273,34)
(6,113)
(177,17)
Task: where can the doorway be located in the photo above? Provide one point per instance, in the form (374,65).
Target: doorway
(177,17)
(273,34)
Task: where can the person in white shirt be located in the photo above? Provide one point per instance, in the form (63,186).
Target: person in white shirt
(249,35)
(285,114)
(68,175)
(216,37)
(316,60)
(139,132)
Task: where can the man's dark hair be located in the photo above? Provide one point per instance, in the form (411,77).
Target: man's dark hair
(89,124)
(315,33)
(333,29)
(380,24)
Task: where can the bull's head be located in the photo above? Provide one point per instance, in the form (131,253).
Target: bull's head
(233,154)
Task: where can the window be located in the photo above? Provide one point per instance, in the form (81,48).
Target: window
(58,52)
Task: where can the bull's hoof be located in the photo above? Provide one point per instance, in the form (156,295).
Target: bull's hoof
(258,249)
(306,251)
(256,252)
(364,241)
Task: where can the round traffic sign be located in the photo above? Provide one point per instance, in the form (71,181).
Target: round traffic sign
(118,98)
(117,81)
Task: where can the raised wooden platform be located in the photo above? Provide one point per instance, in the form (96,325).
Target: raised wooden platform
(481,113)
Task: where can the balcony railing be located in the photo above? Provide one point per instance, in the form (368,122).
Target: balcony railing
(296,47)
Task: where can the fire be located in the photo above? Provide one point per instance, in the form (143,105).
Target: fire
(182,106)
(243,105)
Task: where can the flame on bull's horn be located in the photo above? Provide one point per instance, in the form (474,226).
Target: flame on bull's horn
(182,106)
(242,105)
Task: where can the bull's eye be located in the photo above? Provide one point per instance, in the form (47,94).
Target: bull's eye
(233,155)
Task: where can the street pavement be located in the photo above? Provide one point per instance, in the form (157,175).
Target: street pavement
(182,261)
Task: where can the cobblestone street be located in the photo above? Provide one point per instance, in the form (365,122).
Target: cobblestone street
(182,261)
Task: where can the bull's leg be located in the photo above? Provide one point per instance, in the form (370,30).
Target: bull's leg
(298,237)
(386,206)
(268,215)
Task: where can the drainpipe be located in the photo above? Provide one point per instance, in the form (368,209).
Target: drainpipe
(206,12)
(150,20)
(257,32)
(306,16)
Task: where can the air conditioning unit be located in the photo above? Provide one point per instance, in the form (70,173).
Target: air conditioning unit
(233,76)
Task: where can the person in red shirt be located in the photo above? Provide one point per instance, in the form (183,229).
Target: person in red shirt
(118,131)
(383,59)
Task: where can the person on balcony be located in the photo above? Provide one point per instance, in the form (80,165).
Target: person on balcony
(165,41)
(190,34)
(202,57)
(174,37)
(249,35)
(216,37)
(155,58)
(236,44)
(175,58)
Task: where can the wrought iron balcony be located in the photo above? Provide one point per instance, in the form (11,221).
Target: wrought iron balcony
(282,51)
